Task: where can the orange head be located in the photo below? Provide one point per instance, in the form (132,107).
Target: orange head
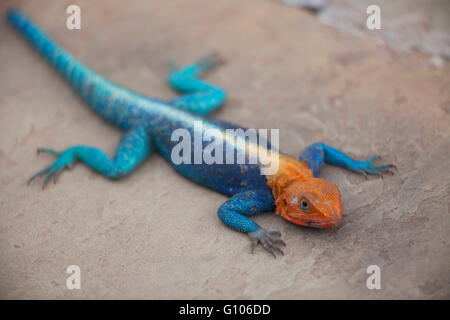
(303,199)
(312,203)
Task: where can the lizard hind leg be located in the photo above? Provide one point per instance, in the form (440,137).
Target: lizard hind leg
(199,96)
(134,147)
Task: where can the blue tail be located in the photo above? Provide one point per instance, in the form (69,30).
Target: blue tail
(64,62)
(107,98)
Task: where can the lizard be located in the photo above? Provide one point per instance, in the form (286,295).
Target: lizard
(294,191)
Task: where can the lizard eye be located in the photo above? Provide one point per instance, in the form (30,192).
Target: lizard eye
(304,205)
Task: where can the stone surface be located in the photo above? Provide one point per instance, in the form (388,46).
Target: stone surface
(406,25)
(155,234)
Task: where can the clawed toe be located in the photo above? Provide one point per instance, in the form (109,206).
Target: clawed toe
(46,150)
(270,240)
(65,160)
(367,167)
(382,169)
(271,247)
(38,174)
(210,60)
(375,157)
(274,232)
(52,172)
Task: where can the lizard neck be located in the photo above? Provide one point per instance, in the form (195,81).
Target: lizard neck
(289,170)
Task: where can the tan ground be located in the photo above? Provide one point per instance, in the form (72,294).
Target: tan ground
(156,234)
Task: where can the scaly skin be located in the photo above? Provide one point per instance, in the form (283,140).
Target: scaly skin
(294,191)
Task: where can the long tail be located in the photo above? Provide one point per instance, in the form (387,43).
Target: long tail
(107,98)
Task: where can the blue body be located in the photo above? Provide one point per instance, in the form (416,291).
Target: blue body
(148,124)
(155,119)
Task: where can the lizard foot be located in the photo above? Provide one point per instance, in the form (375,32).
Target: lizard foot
(367,167)
(209,61)
(66,159)
(202,65)
(269,240)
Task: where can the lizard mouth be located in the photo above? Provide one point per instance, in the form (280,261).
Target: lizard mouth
(323,224)
(330,221)
(314,222)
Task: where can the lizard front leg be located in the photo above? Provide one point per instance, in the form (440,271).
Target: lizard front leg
(319,153)
(235,212)
(134,147)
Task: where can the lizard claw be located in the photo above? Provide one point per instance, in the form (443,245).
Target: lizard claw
(51,151)
(270,240)
(202,65)
(209,61)
(367,167)
(65,159)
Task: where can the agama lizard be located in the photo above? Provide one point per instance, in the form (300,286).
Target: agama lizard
(294,191)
